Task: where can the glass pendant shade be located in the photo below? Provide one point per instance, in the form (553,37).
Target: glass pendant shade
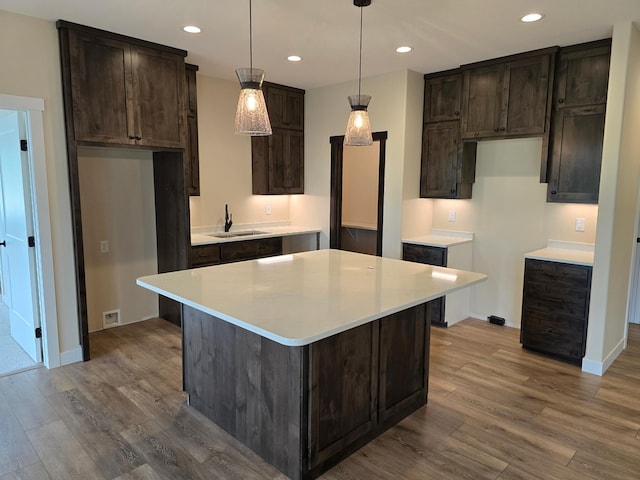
(358,126)
(251,116)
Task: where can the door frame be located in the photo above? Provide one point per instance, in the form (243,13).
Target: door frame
(33,108)
(337,162)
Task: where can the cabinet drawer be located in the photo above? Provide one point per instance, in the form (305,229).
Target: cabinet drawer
(423,254)
(557,335)
(553,299)
(204,255)
(250,249)
(557,274)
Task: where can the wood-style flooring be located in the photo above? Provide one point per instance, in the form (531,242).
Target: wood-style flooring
(495,411)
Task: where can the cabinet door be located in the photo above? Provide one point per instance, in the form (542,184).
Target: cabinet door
(582,77)
(526,92)
(483,101)
(286,157)
(285,107)
(101,89)
(404,363)
(576,156)
(159,92)
(250,249)
(442,98)
(191,152)
(440,159)
(344,390)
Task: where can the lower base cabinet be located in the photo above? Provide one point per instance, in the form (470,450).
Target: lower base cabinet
(304,409)
(555,309)
(227,252)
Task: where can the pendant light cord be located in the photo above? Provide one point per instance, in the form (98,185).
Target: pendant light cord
(251,40)
(360,58)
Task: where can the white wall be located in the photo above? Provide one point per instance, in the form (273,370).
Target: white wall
(117,196)
(31,67)
(618,215)
(360,185)
(326,114)
(225,163)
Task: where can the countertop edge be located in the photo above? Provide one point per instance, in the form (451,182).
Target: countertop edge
(205,239)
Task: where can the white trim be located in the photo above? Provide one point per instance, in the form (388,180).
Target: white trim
(71,356)
(598,368)
(42,224)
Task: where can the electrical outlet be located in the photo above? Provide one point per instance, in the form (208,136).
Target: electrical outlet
(267,209)
(452,215)
(579,224)
(104,246)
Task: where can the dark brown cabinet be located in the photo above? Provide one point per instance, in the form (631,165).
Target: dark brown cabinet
(278,160)
(580,94)
(217,253)
(124,93)
(191,157)
(431,256)
(507,97)
(555,309)
(447,167)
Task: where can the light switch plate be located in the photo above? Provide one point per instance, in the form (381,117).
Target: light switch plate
(267,209)
(452,215)
(579,224)
(104,246)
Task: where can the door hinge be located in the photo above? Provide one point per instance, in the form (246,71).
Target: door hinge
(23,145)
(38,332)
(31,241)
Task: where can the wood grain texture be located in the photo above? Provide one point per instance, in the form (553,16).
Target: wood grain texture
(495,411)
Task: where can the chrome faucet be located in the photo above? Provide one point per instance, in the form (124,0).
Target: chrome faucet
(227,218)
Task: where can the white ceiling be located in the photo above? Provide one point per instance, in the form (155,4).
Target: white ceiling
(444,33)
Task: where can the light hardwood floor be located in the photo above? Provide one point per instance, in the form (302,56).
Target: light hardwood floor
(494,412)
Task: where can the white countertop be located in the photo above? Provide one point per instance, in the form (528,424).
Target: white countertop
(308,296)
(269,232)
(441,238)
(565,252)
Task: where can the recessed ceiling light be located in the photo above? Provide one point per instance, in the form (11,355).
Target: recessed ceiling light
(191,29)
(294,58)
(404,49)
(531,17)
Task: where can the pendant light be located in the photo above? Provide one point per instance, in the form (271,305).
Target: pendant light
(252,117)
(358,126)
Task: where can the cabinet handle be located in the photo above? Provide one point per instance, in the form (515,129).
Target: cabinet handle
(138,137)
(561,100)
(456,113)
(452,191)
(502,129)
(496,129)
(131,137)
(553,192)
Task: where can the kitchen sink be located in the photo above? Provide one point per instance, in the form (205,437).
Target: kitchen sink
(236,234)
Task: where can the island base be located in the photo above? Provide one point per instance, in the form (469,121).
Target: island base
(303,409)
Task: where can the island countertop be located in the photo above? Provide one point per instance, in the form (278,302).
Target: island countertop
(298,299)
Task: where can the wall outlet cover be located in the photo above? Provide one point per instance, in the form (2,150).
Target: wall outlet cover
(452,215)
(580,223)
(111,318)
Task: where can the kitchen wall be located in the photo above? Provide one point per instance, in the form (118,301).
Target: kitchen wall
(225,163)
(510,216)
(117,196)
(31,68)
(360,186)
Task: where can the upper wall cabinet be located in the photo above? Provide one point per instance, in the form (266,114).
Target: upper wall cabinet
(278,160)
(580,96)
(442,97)
(507,97)
(123,91)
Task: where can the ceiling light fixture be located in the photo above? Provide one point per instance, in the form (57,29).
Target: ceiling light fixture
(294,58)
(358,126)
(252,117)
(531,17)
(191,29)
(404,49)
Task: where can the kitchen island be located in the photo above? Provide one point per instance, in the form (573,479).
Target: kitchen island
(305,358)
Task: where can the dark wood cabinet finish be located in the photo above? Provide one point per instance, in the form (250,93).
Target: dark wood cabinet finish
(573,169)
(217,253)
(205,255)
(447,168)
(442,97)
(555,309)
(123,93)
(431,256)
(191,152)
(277,160)
(507,97)
(303,409)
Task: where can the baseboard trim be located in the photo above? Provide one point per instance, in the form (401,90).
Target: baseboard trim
(485,319)
(71,356)
(599,368)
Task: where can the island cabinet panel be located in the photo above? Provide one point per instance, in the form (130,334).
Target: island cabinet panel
(555,309)
(123,91)
(303,409)
(507,97)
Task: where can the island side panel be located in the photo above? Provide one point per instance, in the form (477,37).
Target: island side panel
(248,385)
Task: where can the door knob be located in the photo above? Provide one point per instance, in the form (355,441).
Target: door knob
(3,244)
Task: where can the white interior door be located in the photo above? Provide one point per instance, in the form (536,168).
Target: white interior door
(18,257)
